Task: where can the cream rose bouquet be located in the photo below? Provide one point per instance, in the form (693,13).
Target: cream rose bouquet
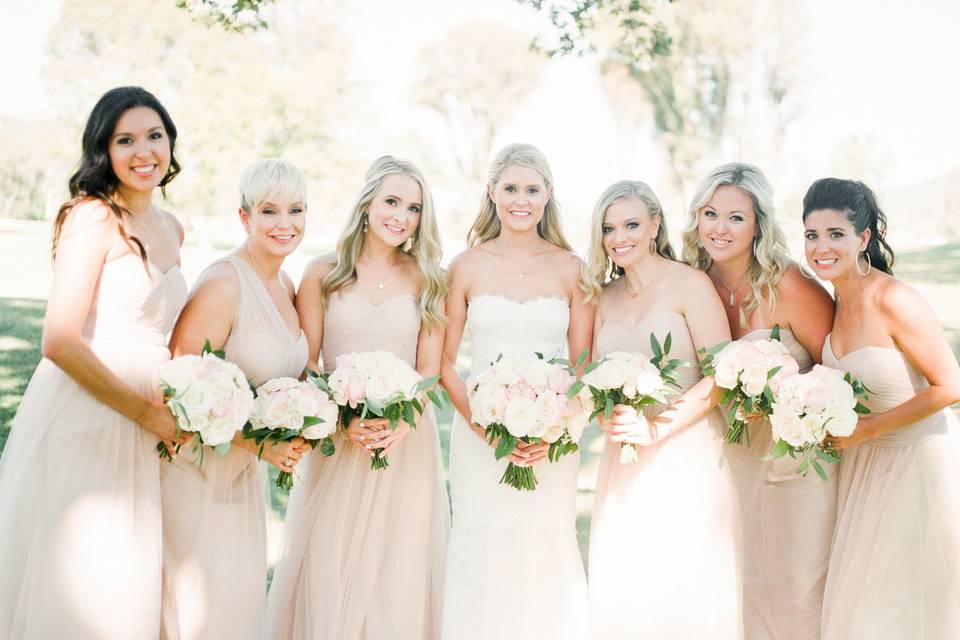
(286,408)
(632,379)
(751,371)
(379,383)
(207,396)
(811,406)
(529,400)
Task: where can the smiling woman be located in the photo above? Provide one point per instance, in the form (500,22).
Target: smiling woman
(79,481)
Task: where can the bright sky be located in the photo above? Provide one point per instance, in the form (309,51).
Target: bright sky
(893,79)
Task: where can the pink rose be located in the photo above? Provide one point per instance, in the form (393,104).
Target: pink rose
(560,381)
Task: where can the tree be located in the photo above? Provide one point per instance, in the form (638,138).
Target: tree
(235,96)
(698,65)
(232,15)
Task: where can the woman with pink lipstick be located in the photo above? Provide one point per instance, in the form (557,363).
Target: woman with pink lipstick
(214,526)
(363,550)
(787,520)
(895,562)
(79,479)
(518,289)
(664,543)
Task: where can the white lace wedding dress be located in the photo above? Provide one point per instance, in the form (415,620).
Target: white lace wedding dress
(513,565)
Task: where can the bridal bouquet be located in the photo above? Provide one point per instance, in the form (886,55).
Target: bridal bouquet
(751,371)
(631,379)
(380,384)
(208,396)
(810,406)
(286,408)
(529,400)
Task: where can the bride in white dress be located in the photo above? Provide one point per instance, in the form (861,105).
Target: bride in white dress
(513,564)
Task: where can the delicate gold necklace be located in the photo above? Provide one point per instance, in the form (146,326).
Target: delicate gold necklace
(732,300)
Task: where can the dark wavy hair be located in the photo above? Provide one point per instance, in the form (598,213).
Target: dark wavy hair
(858,202)
(94,178)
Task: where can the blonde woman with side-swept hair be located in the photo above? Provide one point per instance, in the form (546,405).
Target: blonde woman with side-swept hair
(214,525)
(518,287)
(363,554)
(690,559)
(733,237)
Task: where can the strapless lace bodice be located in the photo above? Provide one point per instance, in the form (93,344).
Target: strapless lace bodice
(499,325)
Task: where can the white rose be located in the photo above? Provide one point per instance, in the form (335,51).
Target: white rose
(548,414)
(841,422)
(329,414)
(790,428)
(726,372)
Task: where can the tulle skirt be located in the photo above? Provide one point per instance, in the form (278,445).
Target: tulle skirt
(214,546)
(895,564)
(664,541)
(363,552)
(80,509)
(788,524)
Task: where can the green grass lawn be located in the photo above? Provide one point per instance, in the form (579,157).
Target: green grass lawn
(21,325)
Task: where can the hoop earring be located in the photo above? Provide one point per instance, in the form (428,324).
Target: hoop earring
(869,264)
(809,275)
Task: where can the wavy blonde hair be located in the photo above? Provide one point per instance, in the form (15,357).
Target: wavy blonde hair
(486,226)
(599,268)
(424,245)
(769,255)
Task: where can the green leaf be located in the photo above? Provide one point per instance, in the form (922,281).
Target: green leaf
(820,471)
(426,383)
(538,354)
(408,416)
(574,389)
(655,346)
(861,409)
(775,333)
(608,408)
(222,448)
(590,367)
(667,343)
(780,449)
(327,447)
(505,446)
(774,371)
(582,357)
(309,421)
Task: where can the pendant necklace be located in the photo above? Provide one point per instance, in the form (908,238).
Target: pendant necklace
(655,277)
(732,300)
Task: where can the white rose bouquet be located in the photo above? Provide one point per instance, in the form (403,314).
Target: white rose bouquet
(810,406)
(631,379)
(529,400)
(207,396)
(379,383)
(751,371)
(286,408)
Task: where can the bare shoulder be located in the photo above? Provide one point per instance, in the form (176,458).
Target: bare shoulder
(466,262)
(802,293)
(218,285)
(319,267)
(172,223)
(569,261)
(87,213)
(898,300)
(608,293)
(689,278)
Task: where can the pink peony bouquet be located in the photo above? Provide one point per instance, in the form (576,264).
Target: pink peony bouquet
(751,371)
(380,384)
(208,396)
(632,379)
(529,400)
(286,408)
(809,407)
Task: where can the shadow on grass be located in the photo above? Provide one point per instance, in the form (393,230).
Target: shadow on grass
(21,326)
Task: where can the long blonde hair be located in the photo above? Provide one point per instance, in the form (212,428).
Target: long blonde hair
(769,256)
(599,268)
(487,225)
(424,245)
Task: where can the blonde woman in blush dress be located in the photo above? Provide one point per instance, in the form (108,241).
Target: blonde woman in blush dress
(513,567)
(895,563)
(214,524)
(787,519)
(79,484)
(363,552)
(664,538)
